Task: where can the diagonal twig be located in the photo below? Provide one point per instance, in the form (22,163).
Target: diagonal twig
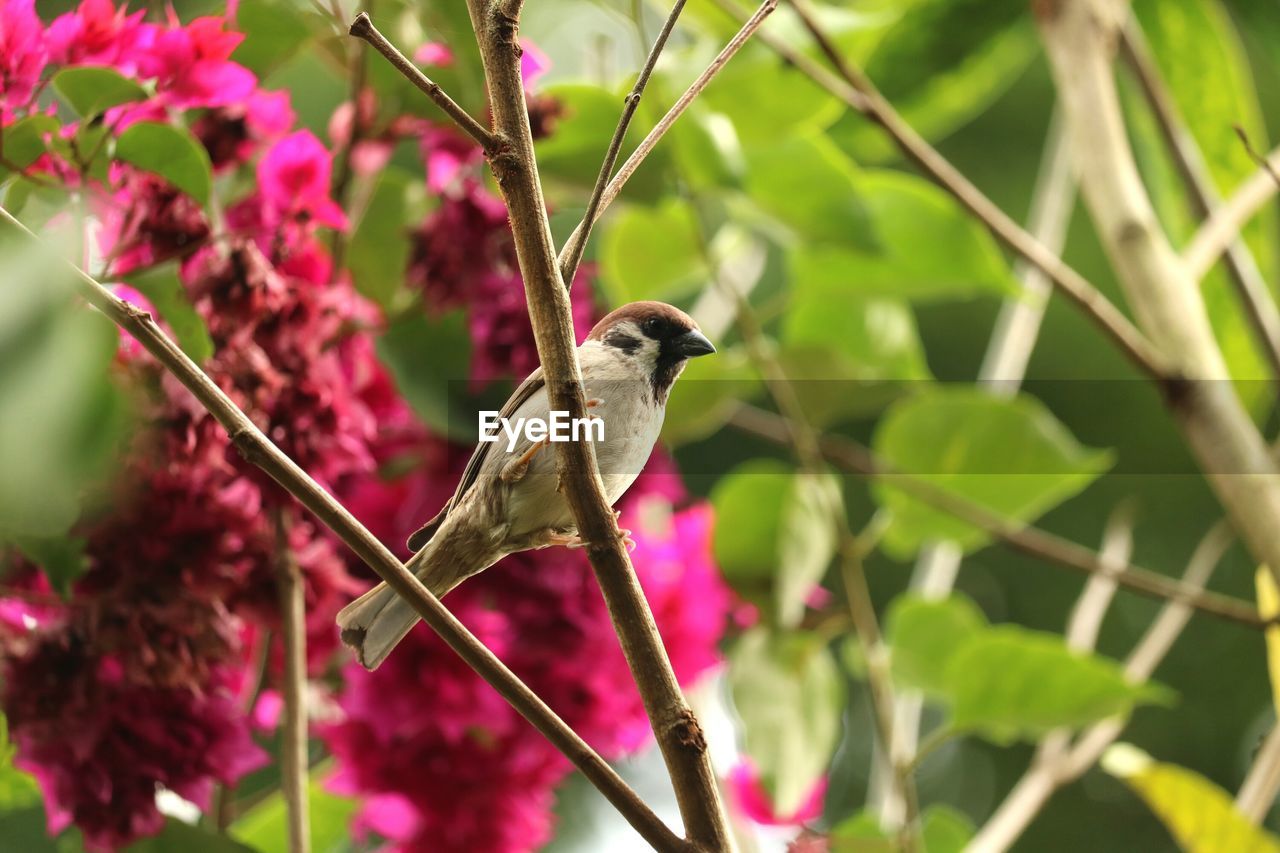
(259,450)
(629,166)
(1222,226)
(571,253)
(858,93)
(363,28)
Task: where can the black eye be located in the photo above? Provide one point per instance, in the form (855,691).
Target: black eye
(652,327)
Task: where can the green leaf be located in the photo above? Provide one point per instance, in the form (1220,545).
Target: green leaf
(709,391)
(775,531)
(651,253)
(264,827)
(929,248)
(1199,815)
(1010,456)
(765,97)
(813,188)
(61,559)
(790,696)
(946,830)
(165,292)
(170,152)
(24,140)
(91,90)
(924,636)
(429,359)
(273,32)
(1008,682)
(941,64)
(861,833)
(379,250)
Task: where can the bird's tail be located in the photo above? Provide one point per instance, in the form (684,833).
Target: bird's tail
(377,621)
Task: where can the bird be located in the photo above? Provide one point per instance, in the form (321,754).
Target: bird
(509,499)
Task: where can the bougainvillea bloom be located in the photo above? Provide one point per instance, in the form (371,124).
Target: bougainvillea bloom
(748,794)
(192,68)
(97,33)
(294,180)
(22,54)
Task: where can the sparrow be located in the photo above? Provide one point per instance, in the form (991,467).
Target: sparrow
(510,500)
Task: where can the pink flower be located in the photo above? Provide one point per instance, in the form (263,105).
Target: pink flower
(233,133)
(434,53)
(192,68)
(747,792)
(97,33)
(293,179)
(533,63)
(23,54)
(146,220)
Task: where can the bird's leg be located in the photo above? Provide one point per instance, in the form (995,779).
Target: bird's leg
(515,470)
(591,404)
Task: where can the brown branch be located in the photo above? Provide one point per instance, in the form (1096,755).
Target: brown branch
(858,93)
(571,254)
(679,736)
(1217,232)
(646,145)
(293,758)
(851,456)
(363,28)
(1254,295)
(255,447)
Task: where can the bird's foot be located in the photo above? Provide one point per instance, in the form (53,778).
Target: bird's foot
(515,470)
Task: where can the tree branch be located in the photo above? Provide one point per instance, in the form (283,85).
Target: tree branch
(1256,299)
(1222,226)
(255,447)
(678,733)
(851,456)
(1258,793)
(293,729)
(363,28)
(858,93)
(1079,36)
(571,253)
(1050,771)
(578,238)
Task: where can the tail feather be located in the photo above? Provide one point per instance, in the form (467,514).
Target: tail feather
(377,621)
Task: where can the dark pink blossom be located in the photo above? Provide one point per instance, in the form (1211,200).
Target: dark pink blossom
(233,134)
(191,65)
(97,33)
(145,220)
(293,179)
(23,53)
(434,53)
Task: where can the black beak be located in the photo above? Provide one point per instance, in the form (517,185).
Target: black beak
(689,345)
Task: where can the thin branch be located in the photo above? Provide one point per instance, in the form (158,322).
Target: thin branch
(1255,297)
(344,165)
(1050,771)
(363,28)
(1222,227)
(1262,783)
(1261,162)
(571,253)
(293,628)
(1091,607)
(851,456)
(646,145)
(255,447)
(680,737)
(1219,431)
(860,95)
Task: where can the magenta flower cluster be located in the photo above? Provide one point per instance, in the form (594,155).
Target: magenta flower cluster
(146,677)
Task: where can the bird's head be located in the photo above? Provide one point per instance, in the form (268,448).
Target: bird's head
(659,337)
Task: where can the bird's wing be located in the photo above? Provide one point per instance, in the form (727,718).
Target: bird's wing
(526,389)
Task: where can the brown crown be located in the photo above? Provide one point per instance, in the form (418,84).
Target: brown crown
(638,312)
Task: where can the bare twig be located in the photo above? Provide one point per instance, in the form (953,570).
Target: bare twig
(1256,299)
(1222,227)
(1219,431)
(363,28)
(1262,162)
(679,736)
(1050,770)
(571,253)
(646,145)
(344,166)
(849,455)
(254,446)
(859,94)
(293,629)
